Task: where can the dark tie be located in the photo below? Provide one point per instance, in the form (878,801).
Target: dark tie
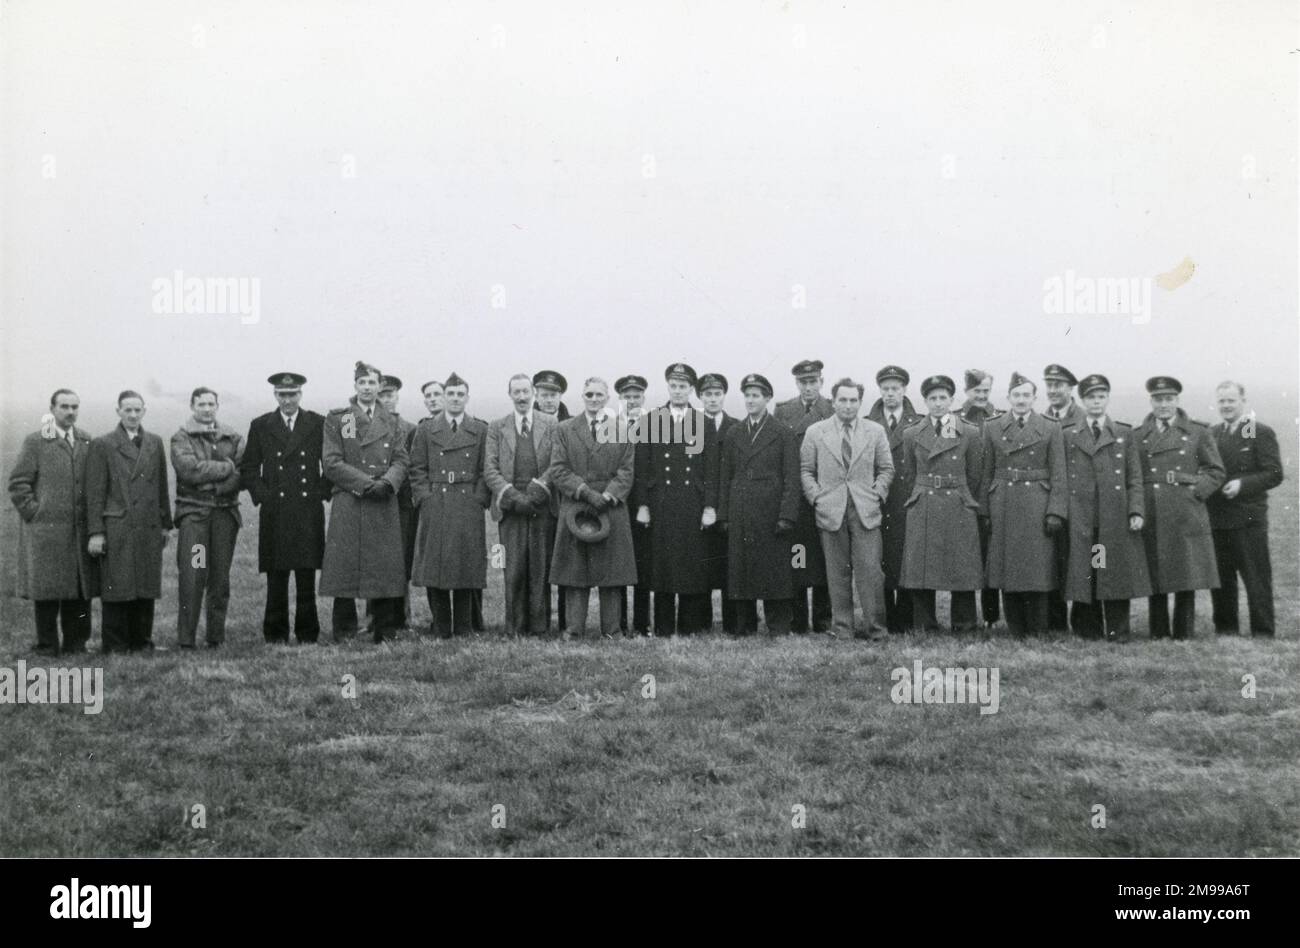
(370,414)
(893,423)
(938,426)
(455,426)
(1020,422)
(288,423)
(807,408)
(523,427)
(1096,431)
(593,429)
(846,446)
(1162,425)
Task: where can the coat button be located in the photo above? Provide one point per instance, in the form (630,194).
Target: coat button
(281,493)
(1117,487)
(304,493)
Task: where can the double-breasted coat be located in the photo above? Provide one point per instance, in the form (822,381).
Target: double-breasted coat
(758,485)
(1024,481)
(127,500)
(48,487)
(450,494)
(285,478)
(798,416)
(363,545)
(1181,467)
(579,461)
(941,549)
(715,541)
(893,515)
(1105,478)
(676,486)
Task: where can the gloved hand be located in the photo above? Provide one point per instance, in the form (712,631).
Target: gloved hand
(784,528)
(597,501)
(538,496)
(1052,524)
(524,506)
(379,489)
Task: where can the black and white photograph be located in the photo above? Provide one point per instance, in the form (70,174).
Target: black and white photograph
(575,430)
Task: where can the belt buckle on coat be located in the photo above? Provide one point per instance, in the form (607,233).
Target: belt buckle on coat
(1171,477)
(451,477)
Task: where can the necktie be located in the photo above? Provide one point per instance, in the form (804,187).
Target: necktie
(1020,422)
(938,426)
(1096,430)
(807,408)
(593,429)
(455,426)
(893,423)
(288,423)
(846,445)
(72,442)
(523,427)
(370,414)
(1162,425)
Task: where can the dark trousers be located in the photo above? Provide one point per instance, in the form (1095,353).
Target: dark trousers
(989,598)
(685,614)
(528,598)
(476,610)
(452,612)
(275,621)
(1184,615)
(898,609)
(128,626)
(74,614)
(1027,612)
(579,601)
(1243,551)
(777,616)
(1057,615)
(385,614)
(923,612)
(640,611)
(215,531)
(1108,618)
(821,610)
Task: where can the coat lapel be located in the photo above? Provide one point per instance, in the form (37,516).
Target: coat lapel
(1027,436)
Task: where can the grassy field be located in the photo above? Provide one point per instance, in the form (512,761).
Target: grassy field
(490,746)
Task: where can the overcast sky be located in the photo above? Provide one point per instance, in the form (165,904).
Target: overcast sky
(492,188)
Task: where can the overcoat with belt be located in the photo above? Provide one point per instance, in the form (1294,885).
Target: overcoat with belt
(1105,491)
(893,515)
(798,416)
(450,493)
(675,485)
(127,500)
(579,460)
(284,476)
(363,547)
(758,485)
(942,547)
(1181,467)
(1024,480)
(48,487)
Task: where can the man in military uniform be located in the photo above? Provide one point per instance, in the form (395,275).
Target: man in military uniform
(549,385)
(389,390)
(1239,512)
(1059,383)
(432,392)
(448,487)
(893,411)
(671,491)
(1023,493)
(712,389)
(1182,470)
(364,457)
(975,411)
(1105,516)
(798,413)
(942,461)
(631,392)
(515,465)
(48,488)
(205,455)
(283,474)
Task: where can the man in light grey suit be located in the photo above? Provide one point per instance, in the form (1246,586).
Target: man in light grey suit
(846,468)
(515,462)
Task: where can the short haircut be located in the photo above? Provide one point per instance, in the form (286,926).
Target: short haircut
(847,383)
(128,393)
(63,391)
(518,377)
(1241,389)
(596,380)
(425,387)
(203,390)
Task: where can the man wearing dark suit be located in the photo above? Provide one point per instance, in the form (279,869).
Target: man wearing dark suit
(808,408)
(976,410)
(515,463)
(284,477)
(1239,513)
(712,389)
(893,411)
(631,392)
(128,517)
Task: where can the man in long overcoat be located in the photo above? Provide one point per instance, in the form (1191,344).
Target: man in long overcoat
(48,487)
(450,493)
(673,494)
(893,411)
(631,392)
(976,410)
(284,475)
(1059,384)
(389,394)
(712,389)
(942,462)
(807,408)
(1181,468)
(128,517)
(366,461)
(1106,564)
(515,466)
(592,470)
(758,504)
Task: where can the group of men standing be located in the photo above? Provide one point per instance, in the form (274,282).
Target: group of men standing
(814,501)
